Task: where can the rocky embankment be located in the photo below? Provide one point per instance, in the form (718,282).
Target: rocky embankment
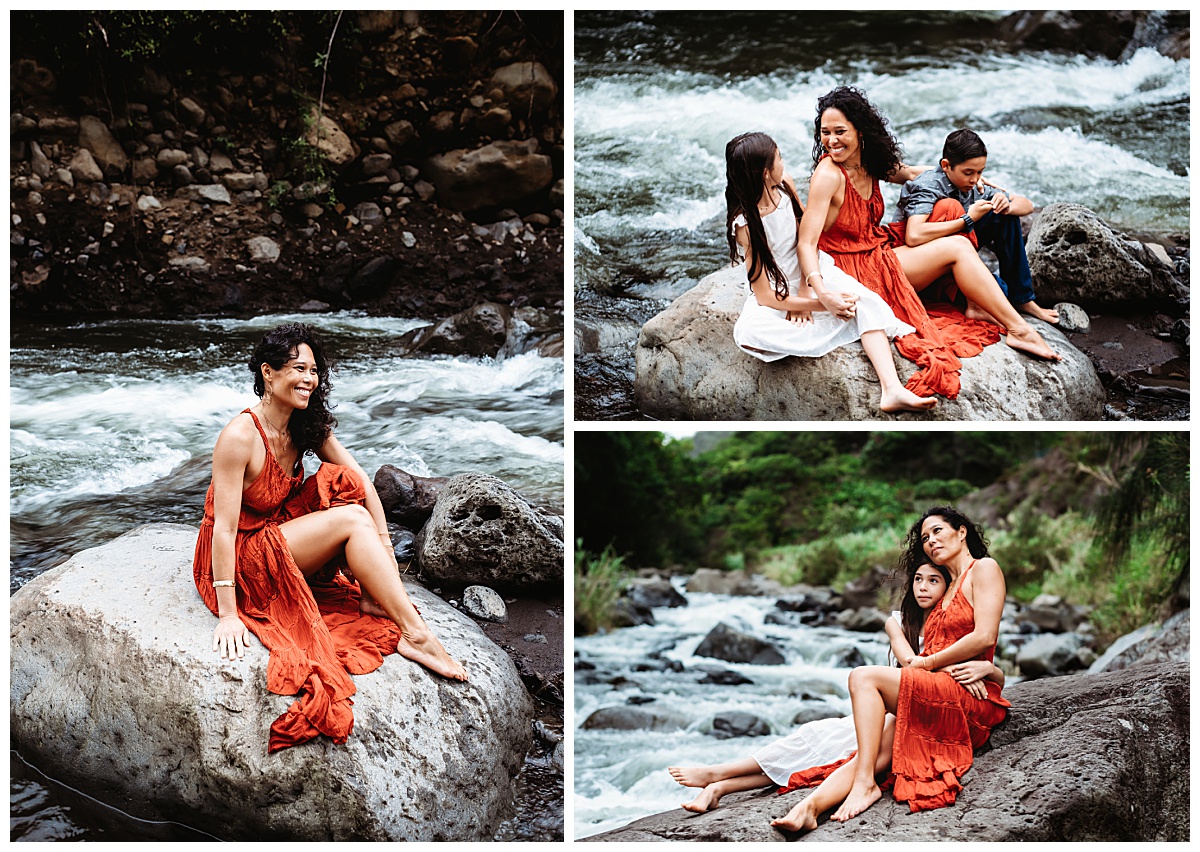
(120,694)
(420,176)
(688,369)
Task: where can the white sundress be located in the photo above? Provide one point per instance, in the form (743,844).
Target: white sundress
(812,744)
(766,332)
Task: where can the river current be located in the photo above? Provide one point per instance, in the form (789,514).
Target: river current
(622,775)
(657,96)
(112,426)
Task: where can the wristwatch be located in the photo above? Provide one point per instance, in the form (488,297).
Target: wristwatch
(968,223)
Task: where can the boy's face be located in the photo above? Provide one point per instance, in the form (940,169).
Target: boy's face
(966,174)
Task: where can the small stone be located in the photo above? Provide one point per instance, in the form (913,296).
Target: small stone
(1071,317)
(311,211)
(408,239)
(425,190)
(1113,344)
(169,158)
(148,202)
(368,213)
(238,181)
(35,198)
(65,177)
(535,638)
(83,167)
(376,164)
(482,602)
(263,249)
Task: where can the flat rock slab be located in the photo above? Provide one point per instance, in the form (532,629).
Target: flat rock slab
(688,368)
(115,689)
(1088,757)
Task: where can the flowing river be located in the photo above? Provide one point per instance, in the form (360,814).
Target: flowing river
(113,423)
(621,775)
(657,96)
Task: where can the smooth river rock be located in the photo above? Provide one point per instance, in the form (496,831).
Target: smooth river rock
(1100,757)
(688,368)
(115,690)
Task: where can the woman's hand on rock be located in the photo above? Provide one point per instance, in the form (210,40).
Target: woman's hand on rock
(231,638)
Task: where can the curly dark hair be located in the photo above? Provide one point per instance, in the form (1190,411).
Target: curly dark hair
(746,158)
(880,151)
(311,426)
(913,557)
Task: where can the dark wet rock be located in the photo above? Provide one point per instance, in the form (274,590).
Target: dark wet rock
(735,724)
(652,593)
(1080,758)
(848,658)
(478,331)
(725,643)
(492,176)
(1153,643)
(724,677)
(628,613)
(1052,654)
(407,498)
(628,718)
(1115,34)
(815,711)
(862,620)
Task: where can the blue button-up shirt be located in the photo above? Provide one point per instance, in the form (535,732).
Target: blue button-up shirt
(918,196)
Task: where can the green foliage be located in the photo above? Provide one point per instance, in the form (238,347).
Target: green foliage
(1038,546)
(599,581)
(832,560)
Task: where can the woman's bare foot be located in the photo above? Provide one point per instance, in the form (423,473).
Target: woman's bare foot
(1025,339)
(799,818)
(1035,310)
(859,800)
(693,776)
(902,399)
(423,648)
(368,606)
(708,799)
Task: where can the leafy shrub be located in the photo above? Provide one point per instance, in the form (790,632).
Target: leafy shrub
(599,581)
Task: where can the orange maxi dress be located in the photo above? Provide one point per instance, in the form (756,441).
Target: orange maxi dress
(312,627)
(862,248)
(938,723)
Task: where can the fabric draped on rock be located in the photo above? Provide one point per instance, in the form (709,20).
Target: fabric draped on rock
(862,248)
(312,627)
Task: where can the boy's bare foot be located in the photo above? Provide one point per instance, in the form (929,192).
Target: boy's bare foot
(975,312)
(693,776)
(859,800)
(1025,339)
(902,399)
(799,818)
(1035,310)
(708,799)
(423,648)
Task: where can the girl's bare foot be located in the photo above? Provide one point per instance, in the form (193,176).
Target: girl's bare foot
(902,399)
(799,818)
(859,800)
(1035,310)
(693,776)
(708,799)
(1030,342)
(423,648)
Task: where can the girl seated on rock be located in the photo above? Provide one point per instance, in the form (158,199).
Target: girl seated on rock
(783,314)
(829,741)
(306,565)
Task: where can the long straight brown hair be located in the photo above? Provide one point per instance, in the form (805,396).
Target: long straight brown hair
(747,157)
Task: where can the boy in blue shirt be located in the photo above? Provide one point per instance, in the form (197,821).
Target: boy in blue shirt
(954,199)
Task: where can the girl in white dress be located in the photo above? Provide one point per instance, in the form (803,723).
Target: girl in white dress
(827,741)
(784,315)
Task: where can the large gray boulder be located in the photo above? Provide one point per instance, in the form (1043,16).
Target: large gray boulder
(115,689)
(688,368)
(733,646)
(483,532)
(1075,256)
(1080,758)
(1153,643)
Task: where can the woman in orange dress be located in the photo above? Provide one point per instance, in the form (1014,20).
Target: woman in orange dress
(307,566)
(853,151)
(939,724)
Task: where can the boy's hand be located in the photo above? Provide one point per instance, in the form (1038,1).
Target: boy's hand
(1000,203)
(980,209)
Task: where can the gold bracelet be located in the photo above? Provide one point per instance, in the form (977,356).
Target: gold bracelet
(218,583)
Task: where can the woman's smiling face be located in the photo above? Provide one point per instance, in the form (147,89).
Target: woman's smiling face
(838,136)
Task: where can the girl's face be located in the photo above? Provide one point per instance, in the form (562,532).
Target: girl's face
(838,136)
(928,586)
(940,540)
